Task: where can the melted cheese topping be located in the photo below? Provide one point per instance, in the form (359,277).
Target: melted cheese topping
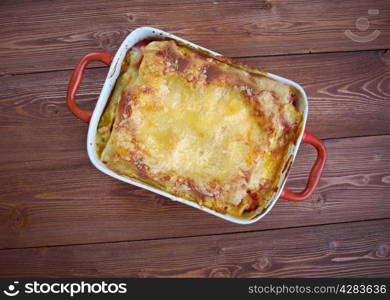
(199,128)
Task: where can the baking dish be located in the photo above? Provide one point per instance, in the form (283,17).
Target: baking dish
(94,117)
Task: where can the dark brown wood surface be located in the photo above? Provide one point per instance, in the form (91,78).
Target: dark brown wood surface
(68,190)
(59,216)
(360,249)
(51,35)
(348,94)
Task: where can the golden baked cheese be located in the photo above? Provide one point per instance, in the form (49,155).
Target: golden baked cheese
(205,129)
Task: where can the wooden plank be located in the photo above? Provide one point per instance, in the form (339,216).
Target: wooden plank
(350,102)
(50,193)
(62,199)
(359,249)
(348,92)
(53,35)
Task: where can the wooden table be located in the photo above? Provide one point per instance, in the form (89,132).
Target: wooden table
(59,216)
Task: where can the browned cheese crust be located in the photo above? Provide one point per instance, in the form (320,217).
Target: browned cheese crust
(198,127)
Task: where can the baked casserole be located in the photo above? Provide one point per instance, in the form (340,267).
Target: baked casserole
(202,128)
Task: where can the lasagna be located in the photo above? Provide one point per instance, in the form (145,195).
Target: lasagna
(202,128)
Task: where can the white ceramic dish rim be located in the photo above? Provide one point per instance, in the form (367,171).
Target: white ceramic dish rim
(113,73)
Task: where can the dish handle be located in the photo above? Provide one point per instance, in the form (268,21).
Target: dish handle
(77,78)
(315,172)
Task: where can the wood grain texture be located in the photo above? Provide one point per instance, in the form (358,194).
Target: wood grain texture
(51,35)
(348,96)
(51,194)
(360,249)
(64,200)
(71,220)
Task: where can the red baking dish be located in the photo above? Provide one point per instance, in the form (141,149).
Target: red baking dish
(92,117)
